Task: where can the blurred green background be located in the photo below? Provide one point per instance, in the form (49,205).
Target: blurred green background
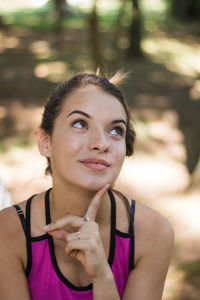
(45,42)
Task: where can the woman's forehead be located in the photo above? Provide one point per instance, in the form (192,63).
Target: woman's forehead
(93,99)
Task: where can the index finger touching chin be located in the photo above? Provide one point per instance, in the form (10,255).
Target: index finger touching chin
(94,205)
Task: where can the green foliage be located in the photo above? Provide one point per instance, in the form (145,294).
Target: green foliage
(74,17)
(191,270)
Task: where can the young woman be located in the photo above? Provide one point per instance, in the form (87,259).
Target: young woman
(81,239)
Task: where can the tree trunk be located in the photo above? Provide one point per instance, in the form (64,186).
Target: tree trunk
(59,6)
(185,9)
(118,24)
(95,38)
(135,32)
(195,177)
(2,25)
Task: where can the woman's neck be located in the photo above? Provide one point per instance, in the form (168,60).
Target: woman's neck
(70,199)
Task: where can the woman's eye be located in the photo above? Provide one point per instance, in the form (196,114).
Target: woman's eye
(118,131)
(79,124)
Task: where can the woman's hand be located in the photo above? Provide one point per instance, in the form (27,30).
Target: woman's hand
(85,245)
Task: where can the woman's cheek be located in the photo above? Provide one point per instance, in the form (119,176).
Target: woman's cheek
(119,159)
(120,152)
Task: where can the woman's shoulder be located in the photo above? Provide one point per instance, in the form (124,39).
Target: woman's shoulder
(151,221)
(153,232)
(9,219)
(146,218)
(11,233)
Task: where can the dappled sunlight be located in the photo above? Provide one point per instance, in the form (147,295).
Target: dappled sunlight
(23,172)
(8,42)
(3,112)
(85,4)
(123,42)
(24,117)
(11,42)
(13,5)
(161,101)
(178,57)
(167,132)
(195,90)
(151,177)
(187,221)
(154,5)
(158,134)
(41,49)
(18,120)
(53,71)
(182,210)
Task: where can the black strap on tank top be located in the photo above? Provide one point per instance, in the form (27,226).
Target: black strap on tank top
(132,233)
(21,216)
(28,236)
(26,227)
(47,207)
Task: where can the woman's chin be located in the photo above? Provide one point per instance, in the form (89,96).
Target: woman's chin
(96,186)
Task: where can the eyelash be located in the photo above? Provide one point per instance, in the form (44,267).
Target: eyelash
(79,121)
(119,129)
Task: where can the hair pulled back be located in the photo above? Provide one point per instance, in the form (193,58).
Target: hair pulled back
(56,101)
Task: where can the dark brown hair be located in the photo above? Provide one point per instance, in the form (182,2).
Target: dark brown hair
(55,103)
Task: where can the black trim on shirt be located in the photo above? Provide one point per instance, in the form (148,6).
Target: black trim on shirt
(123,234)
(26,227)
(21,216)
(132,241)
(112,228)
(28,236)
(39,238)
(47,207)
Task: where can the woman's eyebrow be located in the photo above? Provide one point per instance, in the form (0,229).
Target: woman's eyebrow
(119,121)
(88,116)
(80,112)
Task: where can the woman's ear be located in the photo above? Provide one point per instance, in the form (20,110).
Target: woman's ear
(43,142)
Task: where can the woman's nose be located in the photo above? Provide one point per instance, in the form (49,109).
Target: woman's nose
(98,141)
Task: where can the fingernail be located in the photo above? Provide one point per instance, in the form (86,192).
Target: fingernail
(45,227)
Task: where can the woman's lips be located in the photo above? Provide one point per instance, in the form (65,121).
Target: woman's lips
(96,164)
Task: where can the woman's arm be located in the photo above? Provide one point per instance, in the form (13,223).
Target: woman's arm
(105,288)
(13,282)
(154,240)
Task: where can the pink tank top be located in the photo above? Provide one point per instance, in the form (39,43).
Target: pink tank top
(46,281)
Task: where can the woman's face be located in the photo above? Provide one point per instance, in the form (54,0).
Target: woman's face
(88,141)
